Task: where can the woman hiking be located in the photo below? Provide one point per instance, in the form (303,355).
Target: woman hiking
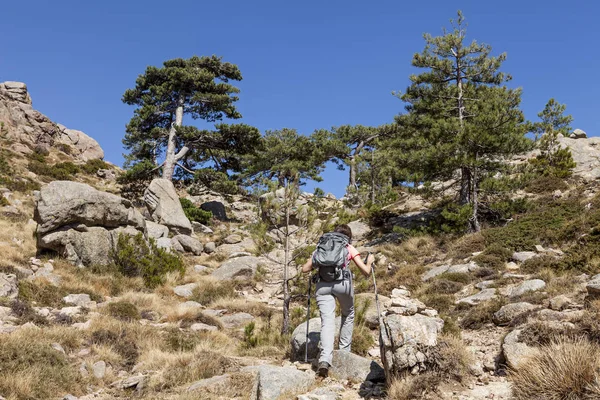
(335,282)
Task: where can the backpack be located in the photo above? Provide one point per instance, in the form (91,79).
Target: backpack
(331,255)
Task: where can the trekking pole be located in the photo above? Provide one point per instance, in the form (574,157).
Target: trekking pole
(375,286)
(310,278)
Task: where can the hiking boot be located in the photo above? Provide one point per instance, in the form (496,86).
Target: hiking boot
(323,369)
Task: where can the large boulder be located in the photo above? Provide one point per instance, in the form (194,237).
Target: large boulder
(66,203)
(511,311)
(163,204)
(532,285)
(189,244)
(240,268)
(360,230)
(8,286)
(156,231)
(371,316)
(298,340)
(352,367)
(516,352)
(273,382)
(216,208)
(408,342)
(86,148)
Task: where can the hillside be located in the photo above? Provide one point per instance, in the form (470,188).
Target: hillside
(103,298)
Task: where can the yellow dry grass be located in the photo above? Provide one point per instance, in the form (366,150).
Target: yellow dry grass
(410,250)
(565,369)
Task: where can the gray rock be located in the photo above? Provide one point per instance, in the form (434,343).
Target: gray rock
(216,208)
(66,203)
(108,174)
(186,291)
(240,254)
(189,244)
(156,231)
(578,134)
(516,352)
(67,397)
(324,393)
(233,239)
(200,228)
(273,382)
(210,247)
(408,342)
(560,303)
(298,340)
(99,369)
(242,268)
(463,268)
(175,245)
(236,320)
(213,381)
(593,286)
(200,268)
(164,243)
(58,347)
(532,285)
(190,304)
(484,284)
(86,148)
(163,204)
(199,326)
(355,368)
(371,318)
(70,311)
(433,272)
(77,299)
(138,382)
(484,295)
(9,286)
(510,311)
(400,292)
(360,230)
(522,256)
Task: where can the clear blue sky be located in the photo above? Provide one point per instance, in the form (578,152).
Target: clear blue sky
(306,64)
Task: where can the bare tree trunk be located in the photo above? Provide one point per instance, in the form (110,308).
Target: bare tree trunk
(170,157)
(474,219)
(465,186)
(286,290)
(372,177)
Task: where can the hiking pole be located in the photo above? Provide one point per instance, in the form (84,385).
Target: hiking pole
(375,286)
(310,278)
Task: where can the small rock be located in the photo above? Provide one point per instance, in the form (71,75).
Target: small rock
(430,312)
(539,248)
(99,369)
(70,311)
(233,239)
(83,370)
(484,295)
(239,254)
(560,303)
(190,304)
(200,228)
(531,285)
(186,291)
(200,268)
(137,382)
(199,326)
(398,292)
(210,247)
(484,284)
(77,299)
(523,256)
(510,311)
(58,347)
(512,266)
(236,320)
(578,134)
(67,397)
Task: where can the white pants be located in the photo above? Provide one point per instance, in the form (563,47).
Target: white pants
(326,294)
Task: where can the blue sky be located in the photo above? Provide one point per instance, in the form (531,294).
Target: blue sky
(306,65)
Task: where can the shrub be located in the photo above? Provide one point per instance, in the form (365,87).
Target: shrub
(60,171)
(438,301)
(546,184)
(41,294)
(563,369)
(467,245)
(119,342)
(444,286)
(179,340)
(26,313)
(459,277)
(453,359)
(480,314)
(124,311)
(489,261)
(133,256)
(410,387)
(536,264)
(208,292)
(194,213)
(92,166)
(214,180)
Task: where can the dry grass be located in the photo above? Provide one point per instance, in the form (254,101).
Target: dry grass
(480,314)
(238,304)
(210,290)
(412,387)
(408,275)
(410,250)
(11,234)
(565,369)
(32,369)
(453,358)
(238,386)
(466,245)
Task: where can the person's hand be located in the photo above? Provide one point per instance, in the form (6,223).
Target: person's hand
(370,257)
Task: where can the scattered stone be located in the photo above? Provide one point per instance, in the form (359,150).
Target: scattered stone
(67,397)
(516,352)
(186,291)
(511,311)
(512,266)
(214,313)
(70,311)
(433,272)
(236,320)
(156,231)
(272,381)
(175,245)
(355,368)
(199,326)
(8,286)
(58,347)
(593,286)
(200,228)
(215,380)
(210,247)
(523,256)
(190,304)
(484,295)
(138,382)
(99,369)
(163,204)
(81,299)
(241,268)
(560,303)
(484,284)
(200,268)
(360,230)
(400,292)
(532,285)
(463,268)
(233,239)
(189,244)
(239,254)
(83,325)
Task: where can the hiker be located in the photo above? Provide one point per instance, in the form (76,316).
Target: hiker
(336,285)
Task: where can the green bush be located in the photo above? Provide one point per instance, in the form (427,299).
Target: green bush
(489,261)
(215,180)
(92,166)
(194,213)
(134,256)
(546,184)
(205,293)
(558,164)
(61,171)
(124,311)
(43,295)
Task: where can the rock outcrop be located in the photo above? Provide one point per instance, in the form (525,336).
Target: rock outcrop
(82,223)
(30,128)
(164,206)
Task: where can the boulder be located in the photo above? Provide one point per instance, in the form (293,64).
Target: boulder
(216,208)
(156,231)
(371,317)
(163,204)
(511,311)
(408,342)
(199,228)
(578,134)
(298,340)
(357,369)
(484,295)
(433,272)
(273,382)
(66,203)
(186,291)
(9,286)
(241,268)
(360,230)
(99,369)
(514,351)
(175,245)
(560,303)
(164,243)
(86,148)
(532,285)
(522,256)
(463,268)
(593,286)
(247,244)
(236,320)
(189,244)
(81,299)
(233,239)
(210,247)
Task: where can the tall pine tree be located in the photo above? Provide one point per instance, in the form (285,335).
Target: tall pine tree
(466,120)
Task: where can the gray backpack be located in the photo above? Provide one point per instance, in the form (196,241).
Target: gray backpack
(330,256)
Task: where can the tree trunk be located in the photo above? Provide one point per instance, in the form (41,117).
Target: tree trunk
(474,218)
(465,186)
(170,157)
(372,177)
(286,291)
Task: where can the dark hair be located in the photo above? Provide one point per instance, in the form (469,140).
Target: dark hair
(344,230)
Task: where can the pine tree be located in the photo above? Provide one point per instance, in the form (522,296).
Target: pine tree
(197,87)
(460,115)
